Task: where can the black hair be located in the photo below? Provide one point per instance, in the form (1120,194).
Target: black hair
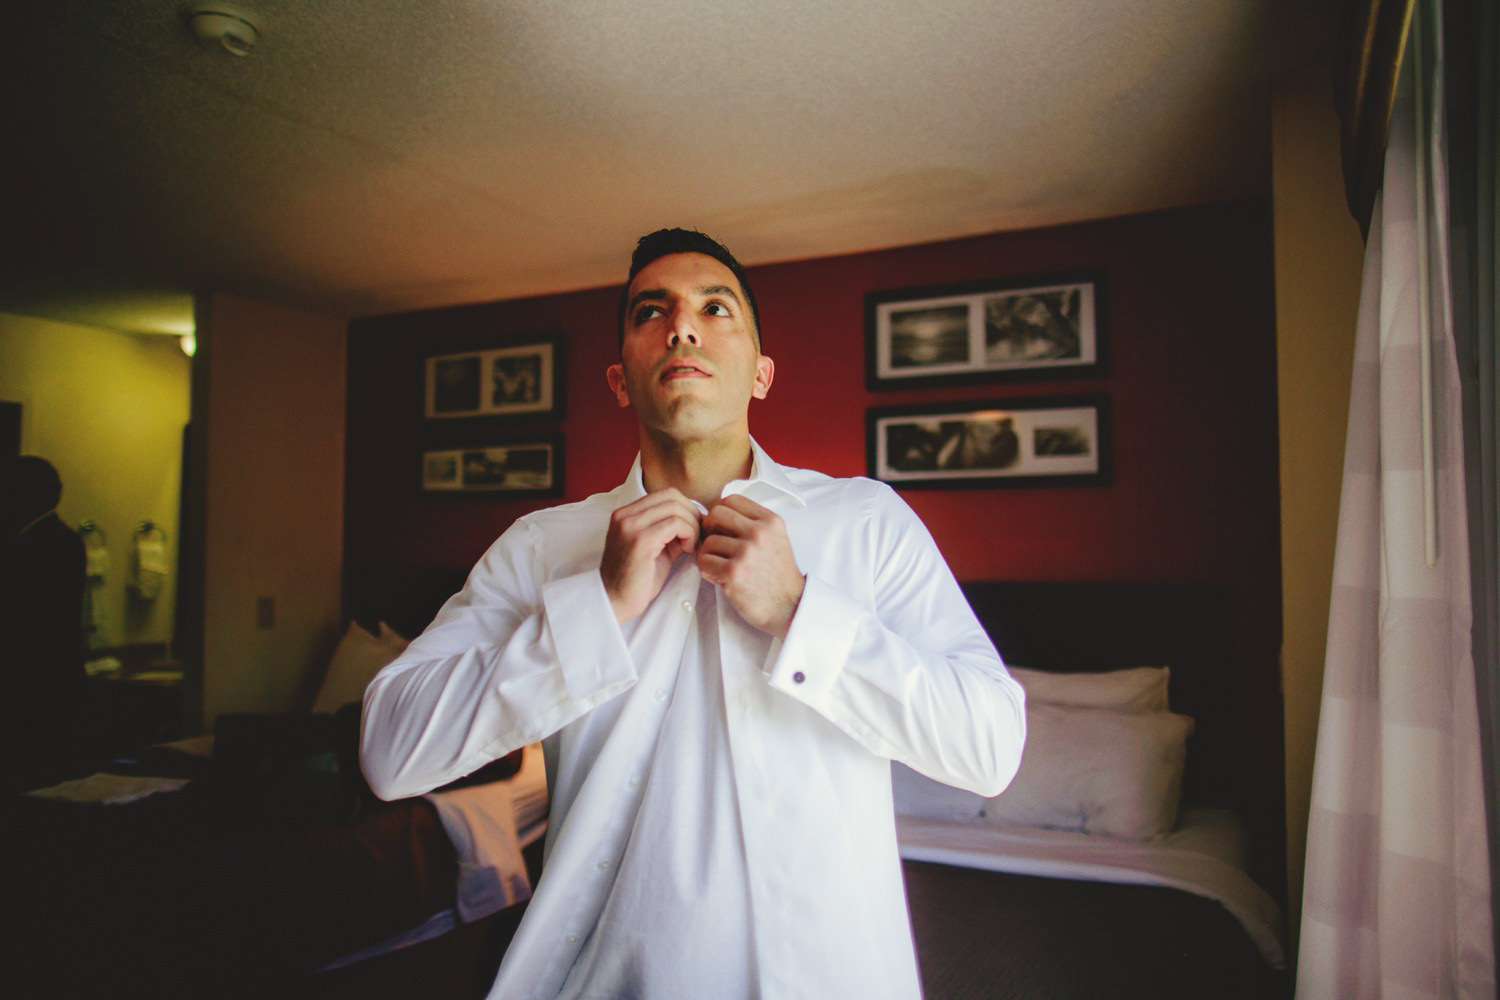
(664,242)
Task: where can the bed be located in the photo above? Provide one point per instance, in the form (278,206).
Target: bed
(1012,909)
(228,887)
(1120,862)
(255,862)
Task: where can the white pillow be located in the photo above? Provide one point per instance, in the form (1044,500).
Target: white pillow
(918,795)
(1091,771)
(1134,689)
(355,663)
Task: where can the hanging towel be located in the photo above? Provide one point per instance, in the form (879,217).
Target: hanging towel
(95,555)
(96,565)
(149,563)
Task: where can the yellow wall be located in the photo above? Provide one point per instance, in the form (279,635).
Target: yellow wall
(1318,259)
(107,409)
(271,409)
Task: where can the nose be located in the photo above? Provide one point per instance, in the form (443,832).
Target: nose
(682,330)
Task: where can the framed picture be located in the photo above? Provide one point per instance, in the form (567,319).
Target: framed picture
(520,378)
(979,332)
(521,468)
(1060,441)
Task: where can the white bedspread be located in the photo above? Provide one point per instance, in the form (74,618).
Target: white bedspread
(1202,857)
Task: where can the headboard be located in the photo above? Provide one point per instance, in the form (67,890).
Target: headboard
(1235,753)
(405,597)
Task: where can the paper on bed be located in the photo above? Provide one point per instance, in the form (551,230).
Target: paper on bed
(480,821)
(109,789)
(1178,860)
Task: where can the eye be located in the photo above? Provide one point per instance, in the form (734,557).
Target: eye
(645,312)
(717,309)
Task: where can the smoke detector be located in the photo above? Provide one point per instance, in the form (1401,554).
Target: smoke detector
(224,25)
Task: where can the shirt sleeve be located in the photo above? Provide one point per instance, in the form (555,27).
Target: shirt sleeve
(914,677)
(509,659)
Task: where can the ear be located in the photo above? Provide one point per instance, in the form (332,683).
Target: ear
(765,372)
(615,376)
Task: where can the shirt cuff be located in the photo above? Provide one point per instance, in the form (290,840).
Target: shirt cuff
(592,657)
(808,662)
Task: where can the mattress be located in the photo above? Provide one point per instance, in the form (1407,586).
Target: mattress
(1205,856)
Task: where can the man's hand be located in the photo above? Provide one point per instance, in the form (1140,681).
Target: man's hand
(747,553)
(644,539)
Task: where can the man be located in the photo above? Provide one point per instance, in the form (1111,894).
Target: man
(41,616)
(721,657)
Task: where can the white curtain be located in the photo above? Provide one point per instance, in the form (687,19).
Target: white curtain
(1397,893)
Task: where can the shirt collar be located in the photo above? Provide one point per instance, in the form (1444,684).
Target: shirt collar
(767,482)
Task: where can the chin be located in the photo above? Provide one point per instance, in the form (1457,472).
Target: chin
(690,424)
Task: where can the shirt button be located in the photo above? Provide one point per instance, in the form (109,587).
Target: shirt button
(687,605)
(661,696)
(604,866)
(571,939)
(799,677)
(635,782)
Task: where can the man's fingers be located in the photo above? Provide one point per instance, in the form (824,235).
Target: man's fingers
(657,529)
(655,519)
(736,516)
(715,556)
(655,504)
(645,537)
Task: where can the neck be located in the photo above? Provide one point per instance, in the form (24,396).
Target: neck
(699,469)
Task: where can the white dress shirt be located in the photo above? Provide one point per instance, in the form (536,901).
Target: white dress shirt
(721,816)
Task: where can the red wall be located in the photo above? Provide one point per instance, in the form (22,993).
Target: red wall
(1188,322)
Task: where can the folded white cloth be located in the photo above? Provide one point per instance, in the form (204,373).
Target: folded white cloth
(152,553)
(480,821)
(150,567)
(96,561)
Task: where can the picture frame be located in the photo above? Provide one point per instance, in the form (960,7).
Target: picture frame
(532,467)
(984,331)
(512,379)
(1053,441)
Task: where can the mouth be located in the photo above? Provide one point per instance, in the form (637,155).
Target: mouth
(681,369)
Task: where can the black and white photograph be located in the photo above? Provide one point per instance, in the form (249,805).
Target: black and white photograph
(520,378)
(1032,442)
(1034,326)
(533,468)
(455,385)
(922,338)
(517,380)
(979,332)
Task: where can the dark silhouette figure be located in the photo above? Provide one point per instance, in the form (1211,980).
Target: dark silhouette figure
(41,634)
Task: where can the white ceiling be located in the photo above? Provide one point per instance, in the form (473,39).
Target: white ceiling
(370,157)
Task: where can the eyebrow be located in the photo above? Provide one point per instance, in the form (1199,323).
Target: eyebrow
(650,294)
